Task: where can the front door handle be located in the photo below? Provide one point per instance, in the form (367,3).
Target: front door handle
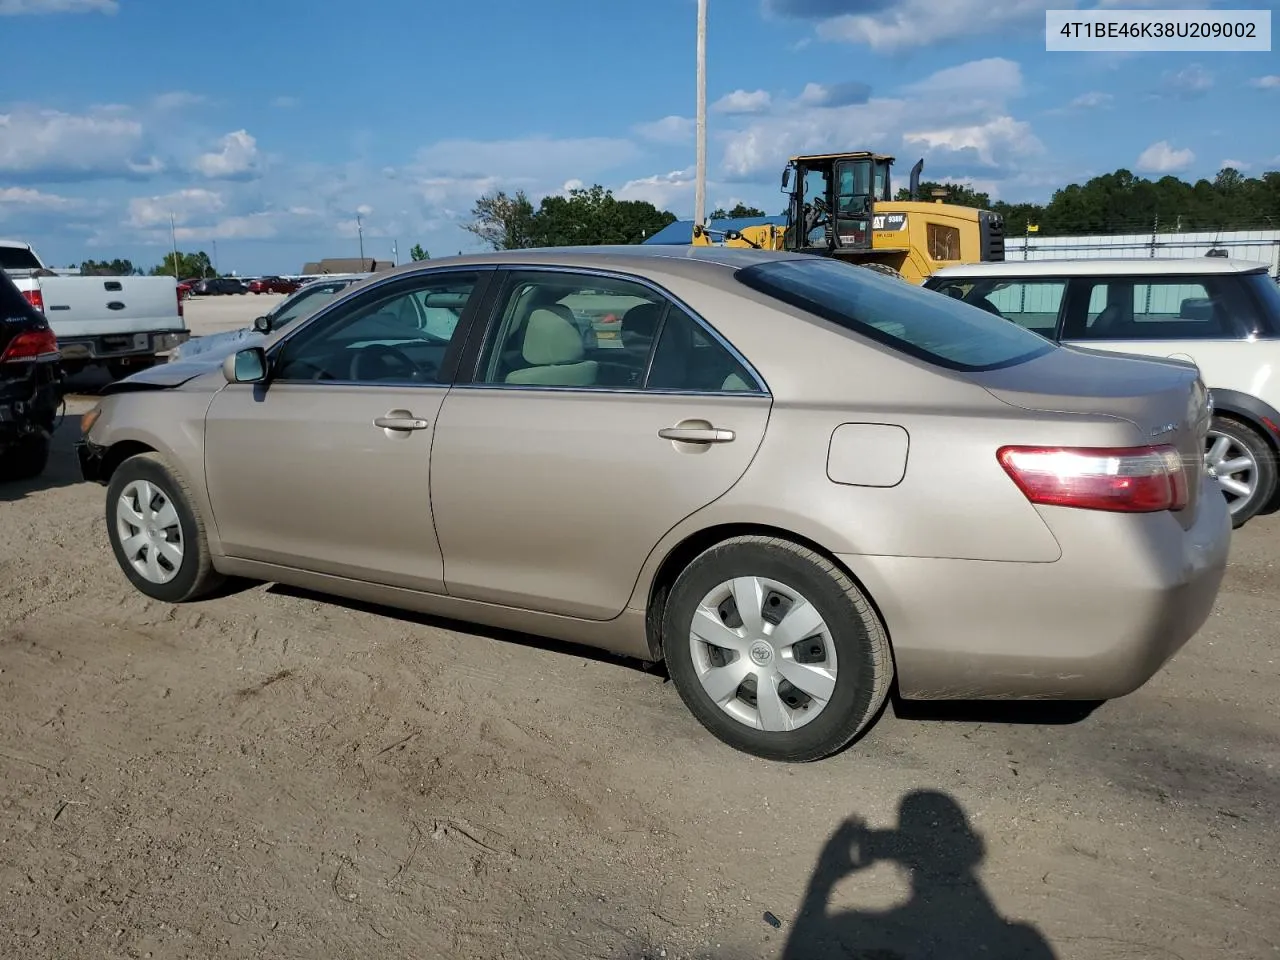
(696,432)
(401,420)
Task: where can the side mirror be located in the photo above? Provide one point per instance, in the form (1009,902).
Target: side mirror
(246,366)
(786,178)
(262,324)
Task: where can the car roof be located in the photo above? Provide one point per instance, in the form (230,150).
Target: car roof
(1109,267)
(698,261)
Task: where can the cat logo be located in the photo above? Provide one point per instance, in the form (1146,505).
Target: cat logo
(889,222)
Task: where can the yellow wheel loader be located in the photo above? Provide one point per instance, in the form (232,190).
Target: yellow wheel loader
(840,205)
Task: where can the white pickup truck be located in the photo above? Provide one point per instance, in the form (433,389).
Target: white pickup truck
(122,323)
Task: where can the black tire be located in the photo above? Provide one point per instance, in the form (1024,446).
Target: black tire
(865,663)
(195,577)
(25,459)
(1264,475)
(883,268)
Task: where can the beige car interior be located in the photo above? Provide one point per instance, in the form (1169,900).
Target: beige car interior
(553,347)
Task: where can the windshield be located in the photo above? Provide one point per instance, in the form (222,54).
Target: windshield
(18,258)
(303,303)
(912,320)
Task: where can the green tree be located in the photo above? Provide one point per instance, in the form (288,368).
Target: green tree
(740,211)
(108,268)
(417,253)
(593,215)
(189,265)
(503,222)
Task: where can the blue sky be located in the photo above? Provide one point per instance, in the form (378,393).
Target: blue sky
(266,126)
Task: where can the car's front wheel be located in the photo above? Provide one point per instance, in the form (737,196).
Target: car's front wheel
(158,538)
(775,649)
(1244,466)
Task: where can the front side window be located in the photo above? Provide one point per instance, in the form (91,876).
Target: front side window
(938,329)
(384,336)
(1208,307)
(1032,304)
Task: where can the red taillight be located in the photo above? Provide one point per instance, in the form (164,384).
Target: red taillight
(30,344)
(35,298)
(1123,479)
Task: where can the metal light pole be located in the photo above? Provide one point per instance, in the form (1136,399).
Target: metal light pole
(360,231)
(700,181)
(173,238)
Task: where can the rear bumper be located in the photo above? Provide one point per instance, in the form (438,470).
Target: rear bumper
(121,345)
(1127,594)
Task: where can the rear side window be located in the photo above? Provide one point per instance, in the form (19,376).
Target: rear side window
(918,322)
(1188,307)
(13,305)
(18,258)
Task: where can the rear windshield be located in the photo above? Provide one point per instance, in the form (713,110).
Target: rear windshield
(13,305)
(900,315)
(18,258)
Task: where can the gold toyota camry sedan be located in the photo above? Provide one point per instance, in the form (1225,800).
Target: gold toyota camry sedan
(792,480)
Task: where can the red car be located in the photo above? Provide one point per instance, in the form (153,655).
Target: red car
(272,285)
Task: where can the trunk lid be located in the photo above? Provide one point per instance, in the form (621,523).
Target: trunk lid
(96,306)
(1164,398)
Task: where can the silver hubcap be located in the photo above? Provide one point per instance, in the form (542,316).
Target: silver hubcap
(149,531)
(1234,467)
(763,653)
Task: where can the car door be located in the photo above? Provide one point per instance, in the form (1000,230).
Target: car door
(326,467)
(560,466)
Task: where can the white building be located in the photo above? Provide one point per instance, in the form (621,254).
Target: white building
(1260,245)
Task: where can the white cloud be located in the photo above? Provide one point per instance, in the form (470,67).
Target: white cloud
(1188,83)
(666,191)
(15,8)
(1160,157)
(997,136)
(1269,82)
(34,199)
(885,25)
(834,94)
(917,23)
(672,129)
(178,100)
(993,75)
(1240,165)
(237,156)
(959,108)
(1092,100)
(743,101)
(285,102)
(104,142)
(184,205)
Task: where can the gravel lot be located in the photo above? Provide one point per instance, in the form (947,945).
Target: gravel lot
(275,774)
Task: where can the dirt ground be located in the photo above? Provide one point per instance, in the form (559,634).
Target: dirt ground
(276,774)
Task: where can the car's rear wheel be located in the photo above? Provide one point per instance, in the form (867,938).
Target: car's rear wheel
(158,538)
(775,649)
(1244,465)
(25,459)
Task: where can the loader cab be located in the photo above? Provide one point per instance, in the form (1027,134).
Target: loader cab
(833,198)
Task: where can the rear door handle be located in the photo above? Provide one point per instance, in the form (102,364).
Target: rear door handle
(400,420)
(699,434)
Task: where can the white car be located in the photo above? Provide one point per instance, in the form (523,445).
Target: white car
(1223,315)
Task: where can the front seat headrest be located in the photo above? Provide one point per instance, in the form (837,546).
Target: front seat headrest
(550,339)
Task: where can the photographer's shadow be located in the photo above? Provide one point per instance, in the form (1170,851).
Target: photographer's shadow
(949,914)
